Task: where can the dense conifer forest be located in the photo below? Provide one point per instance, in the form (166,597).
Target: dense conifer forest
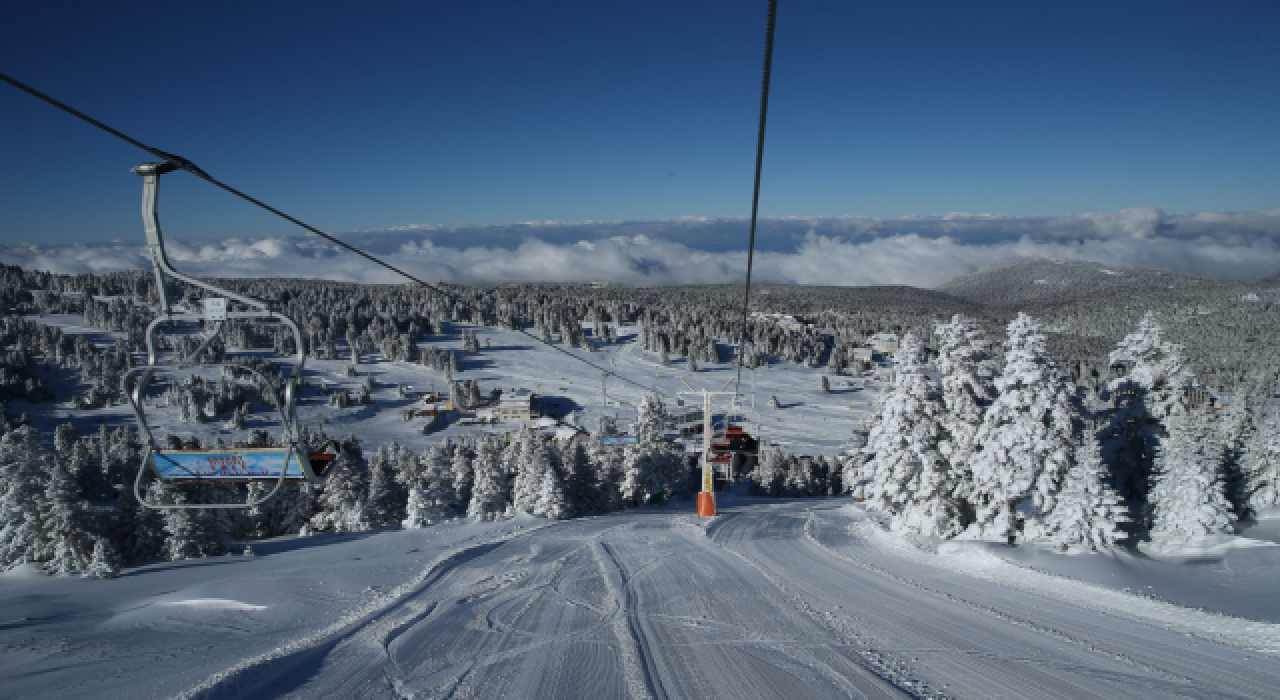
(1037,401)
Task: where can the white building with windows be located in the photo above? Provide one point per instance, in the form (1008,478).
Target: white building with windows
(516,404)
(885,343)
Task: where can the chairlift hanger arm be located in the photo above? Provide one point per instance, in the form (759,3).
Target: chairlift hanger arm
(151,173)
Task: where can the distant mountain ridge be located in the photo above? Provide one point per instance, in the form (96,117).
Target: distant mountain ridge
(1044,281)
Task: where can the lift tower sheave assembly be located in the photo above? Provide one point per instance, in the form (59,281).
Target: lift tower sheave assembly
(707,496)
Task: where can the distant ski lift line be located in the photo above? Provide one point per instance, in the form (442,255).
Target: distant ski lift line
(179,163)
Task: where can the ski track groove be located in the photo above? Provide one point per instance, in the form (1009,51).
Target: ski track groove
(872,665)
(240,680)
(752,604)
(637,672)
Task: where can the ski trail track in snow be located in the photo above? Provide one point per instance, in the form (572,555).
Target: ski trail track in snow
(770,600)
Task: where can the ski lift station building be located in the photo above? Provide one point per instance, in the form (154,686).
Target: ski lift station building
(516,404)
(885,342)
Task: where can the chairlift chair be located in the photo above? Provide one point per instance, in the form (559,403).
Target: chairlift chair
(237,465)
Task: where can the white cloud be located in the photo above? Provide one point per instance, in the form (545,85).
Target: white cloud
(831,252)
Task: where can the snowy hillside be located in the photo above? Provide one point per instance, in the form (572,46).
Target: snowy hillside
(1019,526)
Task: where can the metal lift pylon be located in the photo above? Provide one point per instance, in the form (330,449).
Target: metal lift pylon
(707,496)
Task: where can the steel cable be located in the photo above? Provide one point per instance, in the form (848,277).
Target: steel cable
(755,195)
(181,163)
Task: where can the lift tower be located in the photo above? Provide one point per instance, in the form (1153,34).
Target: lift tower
(707,496)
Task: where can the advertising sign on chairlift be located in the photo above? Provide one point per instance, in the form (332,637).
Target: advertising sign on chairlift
(215,309)
(227,465)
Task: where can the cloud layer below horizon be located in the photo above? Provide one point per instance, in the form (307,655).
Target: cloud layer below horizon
(919,251)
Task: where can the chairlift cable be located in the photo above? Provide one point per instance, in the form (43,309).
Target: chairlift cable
(180,163)
(755,196)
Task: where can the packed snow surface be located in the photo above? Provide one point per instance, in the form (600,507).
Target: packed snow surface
(773,598)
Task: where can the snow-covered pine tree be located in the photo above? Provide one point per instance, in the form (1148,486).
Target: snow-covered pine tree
(1028,436)
(463,474)
(770,474)
(68,524)
(419,512)
(910,477)
(552,501)
(341,504)
(384,505)
(853,457)
(802,478)
(489,491)
(582,487)
(1153,388)
(1188,499)
(190,533)
(438,479)
(607,426)
(528,456)
(1260,465)
(105,562)
(830,474)
(25,465)
(431,497)
(1236,429)
(652,466)
(1087,511)
(968,372)
(608,463)
(296,505)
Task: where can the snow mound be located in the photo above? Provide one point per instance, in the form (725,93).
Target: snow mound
(1204,547)
(986,561)
(27,570)
(214,604)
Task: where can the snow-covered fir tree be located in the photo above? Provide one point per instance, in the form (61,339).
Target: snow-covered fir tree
(1236,431)
(1260,465)
(769,477)
(1087,512)
(1188,499)
(968,387)
(384,504)
(105,562)
(652,466)
(436,498)
(910,477)
(341,504)
(68,523)
(1153,387)
(490,492)
(463,474)
(190,533)
(25,466)
(581,481)
(608,463)
(1028,439)
(852,458)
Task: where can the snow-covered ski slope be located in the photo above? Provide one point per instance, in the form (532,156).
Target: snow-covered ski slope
(773,599)
(808,422)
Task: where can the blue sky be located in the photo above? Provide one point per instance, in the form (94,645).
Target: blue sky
(357,116)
